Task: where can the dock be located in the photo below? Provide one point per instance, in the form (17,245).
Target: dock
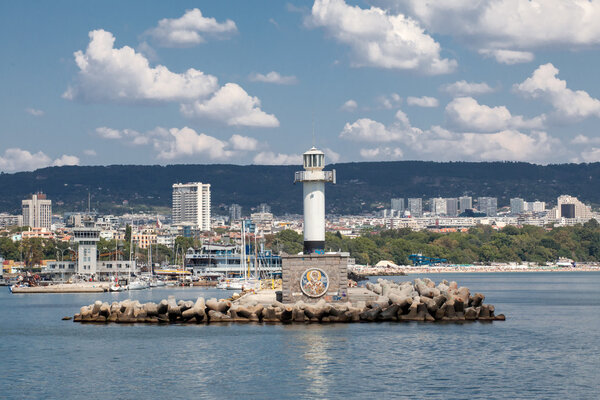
(85,287)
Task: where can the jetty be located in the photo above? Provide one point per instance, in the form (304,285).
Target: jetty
(419,300)
(82,287)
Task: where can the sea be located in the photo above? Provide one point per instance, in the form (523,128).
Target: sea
(548,348)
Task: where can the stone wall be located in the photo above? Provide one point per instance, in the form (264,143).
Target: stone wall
(334,265)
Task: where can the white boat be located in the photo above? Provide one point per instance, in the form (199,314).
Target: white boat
(137,285)
(116,288)
(160,283)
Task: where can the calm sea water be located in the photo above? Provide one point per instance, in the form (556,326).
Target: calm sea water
(548,348)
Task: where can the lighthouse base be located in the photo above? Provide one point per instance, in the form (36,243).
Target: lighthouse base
(314,246)
(312,277)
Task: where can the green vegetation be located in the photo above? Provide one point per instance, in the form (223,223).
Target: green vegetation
(481,244)
(361,187)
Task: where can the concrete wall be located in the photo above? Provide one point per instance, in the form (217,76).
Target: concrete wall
(334,265)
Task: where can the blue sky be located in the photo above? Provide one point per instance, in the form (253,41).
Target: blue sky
(97,83)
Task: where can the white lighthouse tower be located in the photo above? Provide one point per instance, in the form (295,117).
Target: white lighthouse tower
(313,180)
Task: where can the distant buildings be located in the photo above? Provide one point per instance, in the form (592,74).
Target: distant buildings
(191,204)
(438,206)
(37,211)
(452,207)
(517,206)
(398,206)
(535,206)
(571,208)
(488,206)
(235,212)
(263,208)
(520,206)
(465,203)
(10,220)
(415,207)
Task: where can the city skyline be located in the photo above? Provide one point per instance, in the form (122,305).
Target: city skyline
(244,82)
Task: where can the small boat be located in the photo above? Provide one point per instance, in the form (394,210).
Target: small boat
(137,285)
(116,288)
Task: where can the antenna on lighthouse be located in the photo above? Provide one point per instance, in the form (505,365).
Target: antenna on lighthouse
(313,129)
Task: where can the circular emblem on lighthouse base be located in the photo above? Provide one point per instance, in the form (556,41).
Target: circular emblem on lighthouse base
(314,282)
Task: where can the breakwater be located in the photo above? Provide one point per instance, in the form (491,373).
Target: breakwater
(419,300)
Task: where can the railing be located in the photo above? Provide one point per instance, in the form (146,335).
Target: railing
(326,176)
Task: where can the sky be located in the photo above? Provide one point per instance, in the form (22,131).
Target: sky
(259,82)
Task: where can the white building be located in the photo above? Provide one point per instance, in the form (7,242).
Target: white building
(535,206)
(571,208)
(191,204)
(465,203)
(517,205)
(415,207)
(37,212)
(438,206)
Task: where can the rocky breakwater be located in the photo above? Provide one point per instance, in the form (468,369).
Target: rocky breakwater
(423,300)
(420,300)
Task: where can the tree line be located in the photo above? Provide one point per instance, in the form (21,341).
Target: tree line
(480,244)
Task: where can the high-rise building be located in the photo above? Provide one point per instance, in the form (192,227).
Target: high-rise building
(398,205)
(465,203)
(37,211)
(517,205)
(415,206)
(235,212)
(438,206)
(191,204)
(263,208)
(535,206)
(488,206)
(452,207)
(571,207)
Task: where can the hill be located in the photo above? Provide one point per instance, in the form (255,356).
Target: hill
(361,186)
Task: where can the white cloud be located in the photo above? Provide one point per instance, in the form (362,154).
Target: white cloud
(349,106)
(110,74)
(186,142)
(462,88)
(389,101)
(385,153)
(90,152)
(188,29)
(468,114)
(109,133)
(331,156)
(232,105)
(239,142)
(270,158)
(423,101)
(568,104)
(508,57)
(380,39)
(34,112)
(441,144)
(15,159)
(368,130)
(513,24)
(274,77)
(582,139)
(66,160)
(591,155)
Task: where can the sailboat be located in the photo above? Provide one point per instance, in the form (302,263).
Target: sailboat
(241,283)
(137,284)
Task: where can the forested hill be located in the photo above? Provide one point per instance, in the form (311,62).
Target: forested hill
(361,186)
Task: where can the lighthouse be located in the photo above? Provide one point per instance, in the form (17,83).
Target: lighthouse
(313,180)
